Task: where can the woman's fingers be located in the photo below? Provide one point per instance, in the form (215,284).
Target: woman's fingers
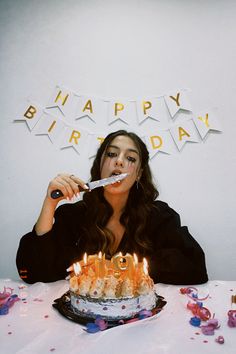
(79,182)
(67,184)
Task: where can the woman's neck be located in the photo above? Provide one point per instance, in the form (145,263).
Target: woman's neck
(118,202)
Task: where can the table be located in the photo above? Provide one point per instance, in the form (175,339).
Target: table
(34,326)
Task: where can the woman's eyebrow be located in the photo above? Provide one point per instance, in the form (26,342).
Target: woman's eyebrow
(130,150)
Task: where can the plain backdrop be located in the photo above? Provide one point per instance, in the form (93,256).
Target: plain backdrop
(125,49)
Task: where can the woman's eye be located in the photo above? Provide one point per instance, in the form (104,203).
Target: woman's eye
(111,154)
(131,159)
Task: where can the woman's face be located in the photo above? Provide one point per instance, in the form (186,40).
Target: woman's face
(121,156)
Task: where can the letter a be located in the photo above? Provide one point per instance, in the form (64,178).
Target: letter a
(88,106)
(182,133)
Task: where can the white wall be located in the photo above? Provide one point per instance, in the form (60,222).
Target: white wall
(121,49)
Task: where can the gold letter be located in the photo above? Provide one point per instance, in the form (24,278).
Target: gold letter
(182,133)
(118,107)
(146,105)
(64,99)
(205,120)
(52,126)
(100,139)
(30,112)
(88,106)
(176,99)
(75,135)
(154,146)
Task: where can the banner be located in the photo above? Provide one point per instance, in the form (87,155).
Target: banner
(167,130)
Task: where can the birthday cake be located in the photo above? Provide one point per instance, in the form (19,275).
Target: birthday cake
(116,289)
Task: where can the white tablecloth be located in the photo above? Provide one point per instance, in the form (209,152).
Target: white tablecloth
(34,326)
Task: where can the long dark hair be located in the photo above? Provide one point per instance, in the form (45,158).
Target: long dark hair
(137,210)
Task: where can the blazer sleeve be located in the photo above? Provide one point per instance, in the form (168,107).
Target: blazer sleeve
(45,258)
(178,258)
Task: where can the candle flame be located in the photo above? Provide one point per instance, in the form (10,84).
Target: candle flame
(85,259)
(135,259)
(77,268)
(145,266)
(100,255)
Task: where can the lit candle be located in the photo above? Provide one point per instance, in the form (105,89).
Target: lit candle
(136,269)
(135,260)
(84,264)
(100,265)
(85,259)
(77,268)
(145,267)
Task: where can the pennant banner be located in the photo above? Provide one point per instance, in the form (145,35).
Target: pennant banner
(74,137)
(89,107)
(177,101)
(31,112)
(206,121)
(183,133)
(64,106)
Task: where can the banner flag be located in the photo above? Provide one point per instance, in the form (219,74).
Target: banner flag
(205,122)
(160,133)
(31,113)
(50,126)
(89,107)
(74,137)
(62,100)
(177,100)
(159,141)
(148,108)
(184,132)
(95,140)
(118,110)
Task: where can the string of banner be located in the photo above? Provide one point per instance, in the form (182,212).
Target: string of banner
(59,120)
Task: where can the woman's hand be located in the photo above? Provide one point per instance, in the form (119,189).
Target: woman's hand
(67,184)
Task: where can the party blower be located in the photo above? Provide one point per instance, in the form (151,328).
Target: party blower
(94,184)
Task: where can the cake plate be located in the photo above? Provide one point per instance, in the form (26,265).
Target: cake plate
(63,305)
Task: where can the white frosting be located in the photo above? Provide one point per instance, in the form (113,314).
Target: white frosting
(113,308)
(114,295)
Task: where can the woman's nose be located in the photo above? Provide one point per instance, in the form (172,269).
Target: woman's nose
(120,161)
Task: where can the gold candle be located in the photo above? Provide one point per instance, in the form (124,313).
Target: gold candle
(100,265)
(124,264)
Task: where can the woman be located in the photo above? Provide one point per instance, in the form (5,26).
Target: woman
(123,217)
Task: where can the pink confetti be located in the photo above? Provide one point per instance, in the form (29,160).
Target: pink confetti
(21,287)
